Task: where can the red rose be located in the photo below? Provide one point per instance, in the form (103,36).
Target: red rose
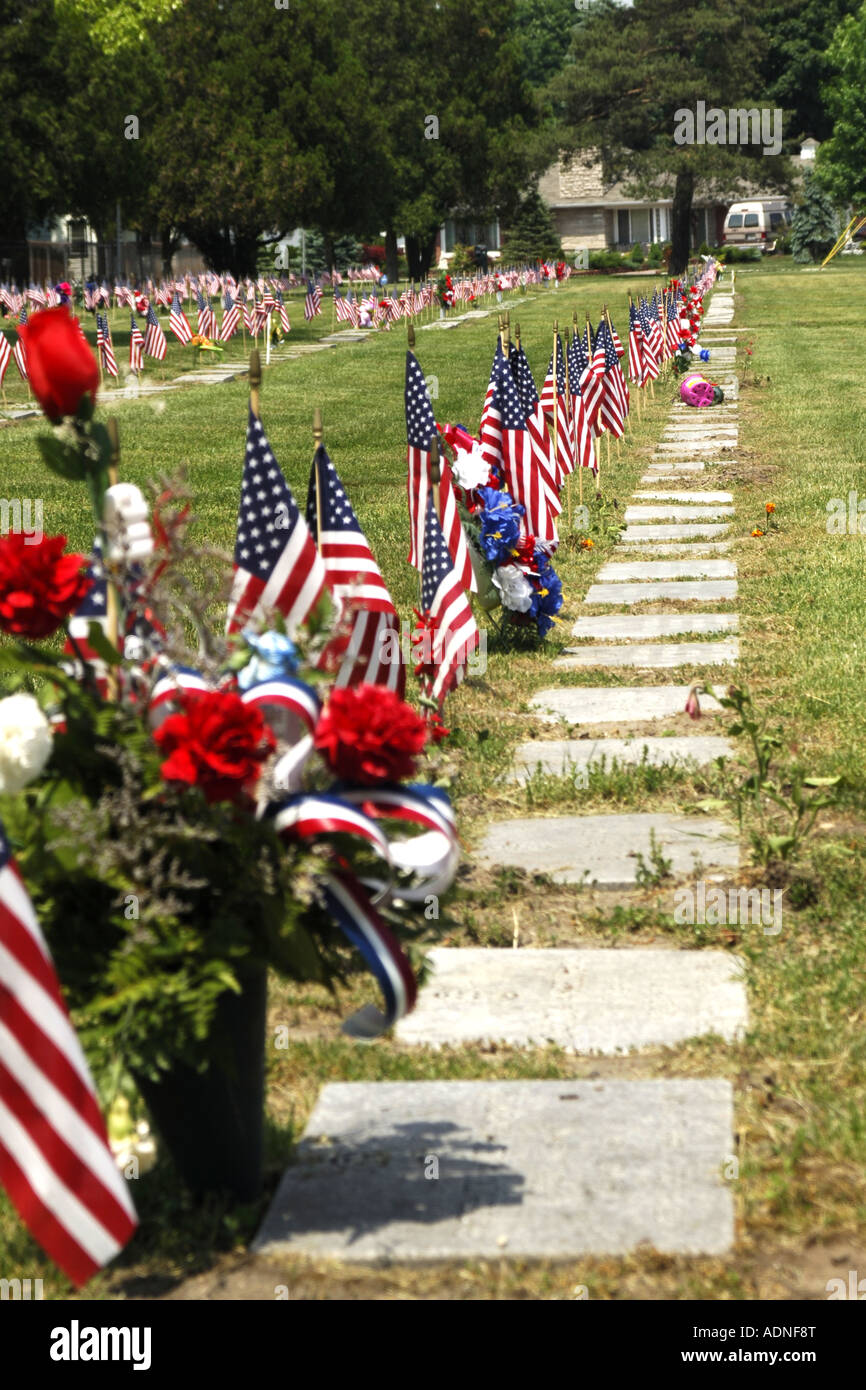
(368,735)
(217,743)
(39,585)
(62,367)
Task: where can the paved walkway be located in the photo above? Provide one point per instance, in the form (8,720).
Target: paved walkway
(563,1168)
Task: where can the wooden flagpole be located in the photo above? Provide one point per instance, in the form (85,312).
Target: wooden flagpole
(255,376)
(555,384)
(112,609)
(571,419)
(517,336)
(317,444)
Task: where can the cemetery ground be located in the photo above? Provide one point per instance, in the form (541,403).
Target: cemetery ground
(799,1070)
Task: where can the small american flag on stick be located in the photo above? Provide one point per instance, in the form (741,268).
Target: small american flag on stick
(448,633)
(55,1162)
(369,653)
(277,565)
(154,338)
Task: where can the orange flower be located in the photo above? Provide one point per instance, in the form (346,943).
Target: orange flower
(587,544)
(771,507)
(758,532)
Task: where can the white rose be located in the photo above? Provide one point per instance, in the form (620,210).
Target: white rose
(514,587)
(470,468)
(25,742)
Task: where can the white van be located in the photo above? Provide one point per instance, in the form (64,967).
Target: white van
(758,224)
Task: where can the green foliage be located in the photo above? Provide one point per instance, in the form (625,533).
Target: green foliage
(633,69)
(544,28)
(462,261)
(841,162)
(798,59)
(816,225)
(531,235)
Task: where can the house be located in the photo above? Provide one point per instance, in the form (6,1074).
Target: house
(589,214)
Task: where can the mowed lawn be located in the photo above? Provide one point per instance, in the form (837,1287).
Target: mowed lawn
(799,1073)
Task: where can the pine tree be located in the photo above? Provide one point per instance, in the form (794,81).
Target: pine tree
(816,225)
(532,235)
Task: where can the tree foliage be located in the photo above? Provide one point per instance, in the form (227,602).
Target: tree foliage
(816,225)
(796,63)
(634,69)
(841,164)
(531,235)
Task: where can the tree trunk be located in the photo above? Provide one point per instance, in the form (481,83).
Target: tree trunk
(328,250)
(169,244)
(392,266)
(419,254)
(681,219)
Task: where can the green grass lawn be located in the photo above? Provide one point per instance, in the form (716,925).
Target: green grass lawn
(799,1073)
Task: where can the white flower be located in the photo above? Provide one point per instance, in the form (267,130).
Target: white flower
(470,468)
(514,587)
(25,742)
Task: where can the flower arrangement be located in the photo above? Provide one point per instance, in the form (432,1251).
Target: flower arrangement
(445,290)
(514,569)
(190,809)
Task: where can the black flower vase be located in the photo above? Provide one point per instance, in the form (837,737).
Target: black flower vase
(212,1121)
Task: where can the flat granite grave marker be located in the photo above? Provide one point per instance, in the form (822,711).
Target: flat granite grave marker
(605,1001)
(534,1169)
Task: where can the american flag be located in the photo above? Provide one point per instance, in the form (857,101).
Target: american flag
(341,308)
(420,429)
(651,342)
(614,402)
(207,324)
(635,346)
(541,497)
(312,301)
(584,453)
(449,632)
(507,436)
(92,609)
(277,565)
(178,322)
(554,388)
(673,326)
(231,318)
(5,356)
(18,351)
(136,342)
(55,1162)
(154,338)
(591,384)
(369,650)
(103,344)
(282,311)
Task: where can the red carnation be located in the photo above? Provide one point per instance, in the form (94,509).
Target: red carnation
(39,585)
(61,366)
(217,743)
(368,735)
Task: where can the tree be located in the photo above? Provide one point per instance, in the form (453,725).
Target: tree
(638,72)
(33,87)
(457,122)
(796,63)
(841,163)
(544,29)
(816,225)
(531,235)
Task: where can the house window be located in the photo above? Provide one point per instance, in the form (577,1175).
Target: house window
(640,225)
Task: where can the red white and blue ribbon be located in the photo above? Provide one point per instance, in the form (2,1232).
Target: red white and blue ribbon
(350,908)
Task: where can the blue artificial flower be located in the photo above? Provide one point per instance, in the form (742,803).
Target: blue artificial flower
(547,593)
(500,523)
(705,354)
(275,658)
